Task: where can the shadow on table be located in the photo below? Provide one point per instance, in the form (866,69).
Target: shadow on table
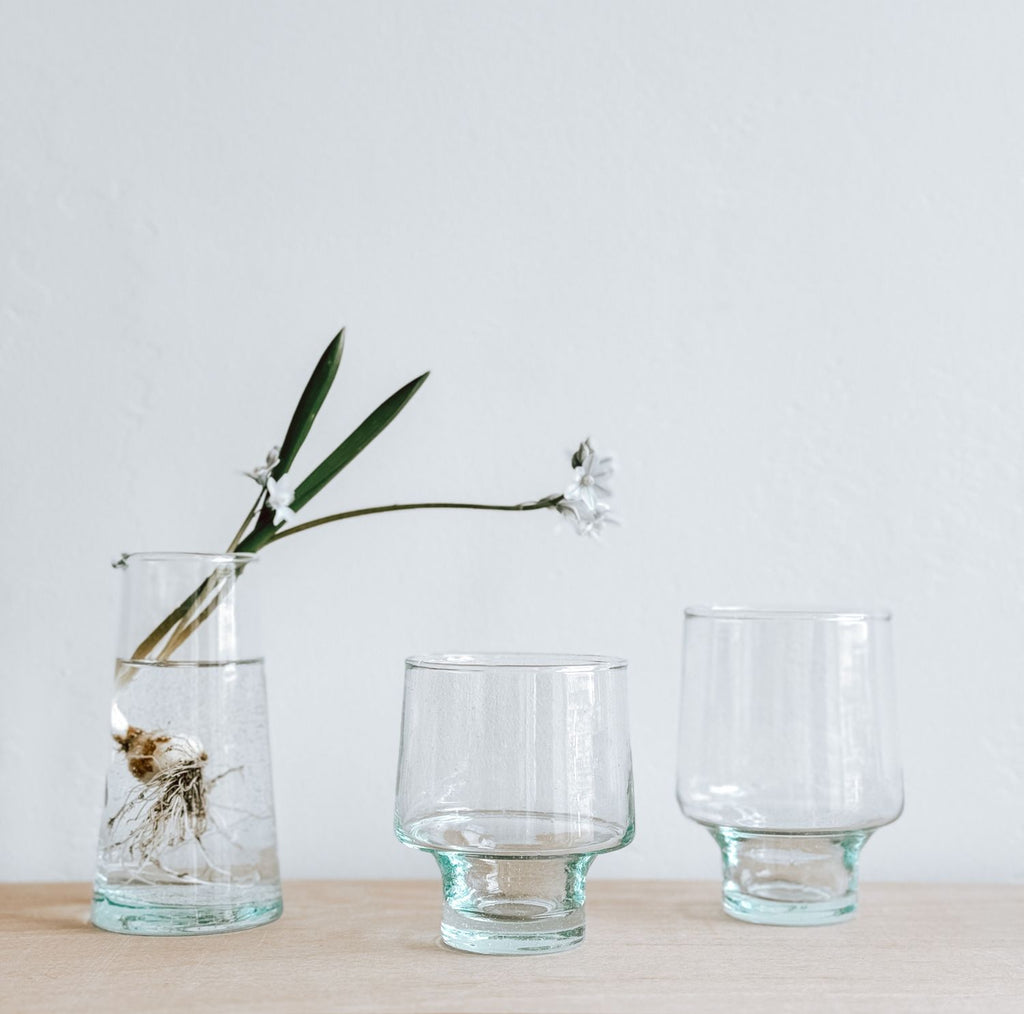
(64,917)
(702,910)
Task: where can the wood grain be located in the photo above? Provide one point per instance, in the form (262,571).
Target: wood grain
(651,946)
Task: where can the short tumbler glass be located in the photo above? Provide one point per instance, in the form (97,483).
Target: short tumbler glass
(788,753)
(514,774)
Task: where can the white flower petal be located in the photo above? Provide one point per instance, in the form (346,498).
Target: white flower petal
(279,492)
(583,503)
(283,514)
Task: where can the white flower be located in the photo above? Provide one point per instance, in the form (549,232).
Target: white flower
(592,475)
(570,510)
(261,473)
(279,495)
(585,520)
(593,524)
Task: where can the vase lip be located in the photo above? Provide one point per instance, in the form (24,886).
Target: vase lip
(509,660)
(181,555)
(817,614)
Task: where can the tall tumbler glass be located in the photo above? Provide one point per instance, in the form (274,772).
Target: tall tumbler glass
(514,773)
(788,753)
(187,842)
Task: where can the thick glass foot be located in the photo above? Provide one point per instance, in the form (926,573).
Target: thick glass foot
(183,911)
(789,879)
(512,906)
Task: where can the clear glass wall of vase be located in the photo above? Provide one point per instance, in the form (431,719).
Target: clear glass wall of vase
(187,841)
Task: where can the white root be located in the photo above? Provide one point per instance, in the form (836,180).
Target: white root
(169,808)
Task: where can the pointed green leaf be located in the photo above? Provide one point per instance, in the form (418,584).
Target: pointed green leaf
(355,442)
(309,404)
(258,537)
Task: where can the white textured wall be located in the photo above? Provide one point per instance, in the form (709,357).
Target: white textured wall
(768,253)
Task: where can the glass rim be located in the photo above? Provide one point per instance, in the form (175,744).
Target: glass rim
(185,555)
(511,660)
(816,614)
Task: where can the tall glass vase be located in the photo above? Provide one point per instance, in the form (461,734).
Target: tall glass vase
(187,841)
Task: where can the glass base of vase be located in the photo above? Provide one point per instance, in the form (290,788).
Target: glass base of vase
(518,934)
(146,911)
(504,905)
(789,913)
(799,879)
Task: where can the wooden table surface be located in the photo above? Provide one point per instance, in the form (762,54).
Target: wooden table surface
(651,946)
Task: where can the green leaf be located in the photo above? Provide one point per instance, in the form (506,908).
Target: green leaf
(356,441)
(309,404)
(258,537)
(361,436)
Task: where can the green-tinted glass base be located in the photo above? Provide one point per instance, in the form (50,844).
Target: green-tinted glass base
(497,905)
(778,879)
(146,911)
(512,933)
(788,913)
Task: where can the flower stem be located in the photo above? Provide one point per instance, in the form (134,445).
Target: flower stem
(186,620)
(533,505)
(194,611)
(248,518)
